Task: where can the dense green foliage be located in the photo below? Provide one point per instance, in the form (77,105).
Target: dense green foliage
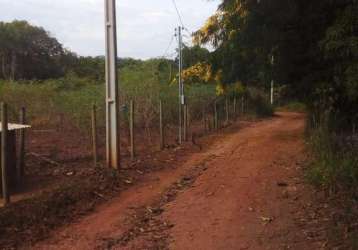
(306,40)
(309,47)
(28,52)
(194,55)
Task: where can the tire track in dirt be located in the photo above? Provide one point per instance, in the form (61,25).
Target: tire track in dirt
(247,197)
(224,198)
(237,203)
(115,217)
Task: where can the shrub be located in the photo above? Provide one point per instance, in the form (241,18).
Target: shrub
(258,103)
(335,163)
(294,106)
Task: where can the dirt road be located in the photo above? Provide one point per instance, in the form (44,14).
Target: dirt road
(245,192)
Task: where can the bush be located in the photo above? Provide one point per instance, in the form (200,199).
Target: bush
(39,99)
(294,107)
(335,163)
(258,103)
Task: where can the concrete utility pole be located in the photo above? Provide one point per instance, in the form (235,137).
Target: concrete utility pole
(181,85)
(112,121)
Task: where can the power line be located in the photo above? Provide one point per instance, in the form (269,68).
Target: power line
(181,19)
(188,31)
(178,13)
(170,44)
(189,42)
(170,56)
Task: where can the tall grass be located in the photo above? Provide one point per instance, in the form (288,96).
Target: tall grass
(68,100)
(48,102)
(335,163)
(258,103)
(293,106)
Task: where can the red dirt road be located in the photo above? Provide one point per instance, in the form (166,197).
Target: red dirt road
(237,203)
(247,194)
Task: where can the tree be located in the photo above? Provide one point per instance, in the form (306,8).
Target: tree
(28,52)
(247,33)
(194,55)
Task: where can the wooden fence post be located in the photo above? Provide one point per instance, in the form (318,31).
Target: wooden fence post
(131,128)
(161,127)
(204,120)
(235,111)
(21,152)
(242,105)
(4,136)
(216,120)
(94,135)
(227,111)
(188,119)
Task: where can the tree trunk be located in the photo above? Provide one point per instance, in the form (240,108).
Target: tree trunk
(13,66)
(3,66)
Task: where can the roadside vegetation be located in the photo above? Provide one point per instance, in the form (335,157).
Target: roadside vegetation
(311,51)
(293,106)
(336,162)
(66,93)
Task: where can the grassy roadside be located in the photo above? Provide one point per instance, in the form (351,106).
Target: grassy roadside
(298,107)
(334,171)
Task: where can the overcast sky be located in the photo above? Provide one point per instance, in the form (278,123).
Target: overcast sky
(145,27)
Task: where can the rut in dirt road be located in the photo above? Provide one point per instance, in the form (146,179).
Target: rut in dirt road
(244,192)
(239,202)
